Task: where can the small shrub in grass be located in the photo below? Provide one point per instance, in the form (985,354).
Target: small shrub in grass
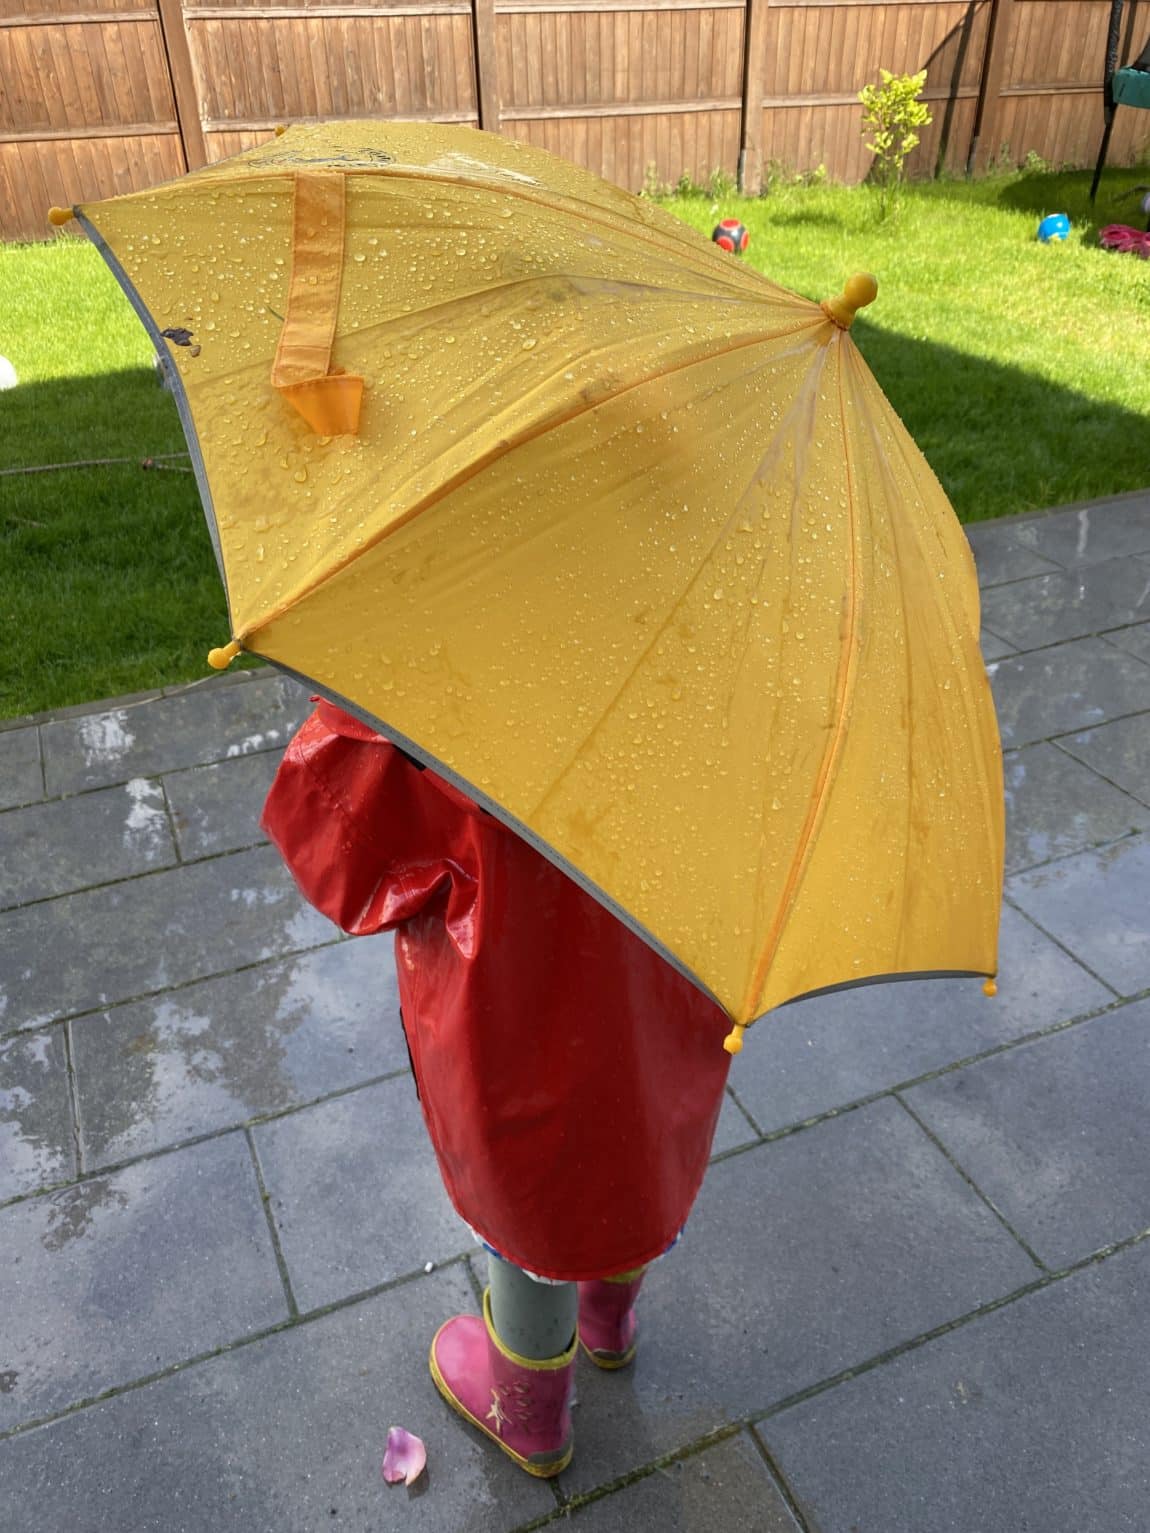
(892,115)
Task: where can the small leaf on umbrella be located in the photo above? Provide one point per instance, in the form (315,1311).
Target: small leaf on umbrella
(178,336)
(405,1458)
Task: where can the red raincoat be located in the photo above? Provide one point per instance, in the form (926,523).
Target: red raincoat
(570,1078)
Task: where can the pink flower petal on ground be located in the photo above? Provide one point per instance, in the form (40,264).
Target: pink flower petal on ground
(405,1458)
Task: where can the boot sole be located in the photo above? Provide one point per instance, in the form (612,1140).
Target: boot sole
(544,1471)
(610,1361)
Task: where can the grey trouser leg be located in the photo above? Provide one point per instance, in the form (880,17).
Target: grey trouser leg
(537,1320)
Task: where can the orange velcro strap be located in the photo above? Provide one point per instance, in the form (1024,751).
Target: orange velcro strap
(328,399)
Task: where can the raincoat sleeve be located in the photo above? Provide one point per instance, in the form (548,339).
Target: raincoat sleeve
(370,838)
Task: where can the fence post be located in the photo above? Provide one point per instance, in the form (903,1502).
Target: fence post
(486,64)
(751,140)
(183,78)
(988,113)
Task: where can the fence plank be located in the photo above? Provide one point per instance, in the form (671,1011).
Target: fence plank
(985,138)
(184,88)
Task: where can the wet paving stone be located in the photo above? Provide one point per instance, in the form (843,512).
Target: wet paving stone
(1000,556)
(1056,1133)
(21,779)
(805,1059)
(1119,751)
(1072,686)
(1069,604)
(1034,1417)
(1135,640)
(283,1434)
(994,648)
(210,721)
(802,1258)
(727,1488)
(110,1279)
(1096,904)
(1054,806)
(217,808)
(733,1129)
(73,843)
(216,1054)
(356,1194)
(1090,535)
(150,933)
(37,1146)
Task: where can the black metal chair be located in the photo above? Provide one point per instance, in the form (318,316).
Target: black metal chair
(1122,87)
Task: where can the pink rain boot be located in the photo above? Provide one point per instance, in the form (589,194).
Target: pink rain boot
(520,1402)
(607,1319)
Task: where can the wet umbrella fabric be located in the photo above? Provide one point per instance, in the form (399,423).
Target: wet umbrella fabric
(619,536)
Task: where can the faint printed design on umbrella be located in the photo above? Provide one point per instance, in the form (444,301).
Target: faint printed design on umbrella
(618,535)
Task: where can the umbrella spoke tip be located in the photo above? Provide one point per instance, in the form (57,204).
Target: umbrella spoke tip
(733,1042)
(60,216)
(219,659)
(990,988)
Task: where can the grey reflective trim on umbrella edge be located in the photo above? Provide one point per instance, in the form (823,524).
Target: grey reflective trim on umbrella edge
(175,382)
(525,833)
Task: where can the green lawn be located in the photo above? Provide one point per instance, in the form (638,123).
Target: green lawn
(1021,370)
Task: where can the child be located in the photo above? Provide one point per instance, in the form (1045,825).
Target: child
(570,1078)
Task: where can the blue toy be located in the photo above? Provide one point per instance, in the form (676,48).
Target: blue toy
(1055,226)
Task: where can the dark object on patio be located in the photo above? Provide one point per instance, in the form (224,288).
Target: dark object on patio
(1121,87)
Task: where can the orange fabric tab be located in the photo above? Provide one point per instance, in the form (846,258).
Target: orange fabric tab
(327,399)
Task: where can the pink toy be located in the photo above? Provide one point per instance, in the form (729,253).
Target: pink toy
(1122,237)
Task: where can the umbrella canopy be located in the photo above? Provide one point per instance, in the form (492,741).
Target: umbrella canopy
(618,535)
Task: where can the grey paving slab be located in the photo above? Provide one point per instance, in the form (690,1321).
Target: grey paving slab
(72,843)
(21,779)
(994,648)
(1135,640)
(728,1487)
(1069,604)
(1072,686)
(217,808)
(1056,1133)
(1089,535)
(802,1258)
(37,1145)
(284,1435)
(805,1059)
(1000,556)
(149,933)
(215,1054)
(356,1193)
(113,1278)
(1097,904)
(734,1128)
(1036,1417)
(205,722)
(1054,806)
(1120,751)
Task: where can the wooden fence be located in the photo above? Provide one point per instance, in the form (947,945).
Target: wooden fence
(100,96)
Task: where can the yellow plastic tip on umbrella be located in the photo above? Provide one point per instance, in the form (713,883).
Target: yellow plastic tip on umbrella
(220,659)
(281,129)
(990,988)
(860,290)
(60,216)
(733,1042)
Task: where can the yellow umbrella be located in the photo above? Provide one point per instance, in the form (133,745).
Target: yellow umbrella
(612,531)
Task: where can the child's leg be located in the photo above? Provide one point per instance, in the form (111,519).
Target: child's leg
(535,1320)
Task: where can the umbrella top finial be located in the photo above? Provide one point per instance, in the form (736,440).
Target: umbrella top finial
(860,290)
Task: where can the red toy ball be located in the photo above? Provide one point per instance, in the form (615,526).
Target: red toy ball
(731,235)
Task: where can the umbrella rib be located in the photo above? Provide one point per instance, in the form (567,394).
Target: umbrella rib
(845,688)
(503,449)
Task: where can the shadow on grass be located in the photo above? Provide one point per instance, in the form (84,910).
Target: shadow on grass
(1041,192)
(110,584)
(1002,440)
(798,217)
